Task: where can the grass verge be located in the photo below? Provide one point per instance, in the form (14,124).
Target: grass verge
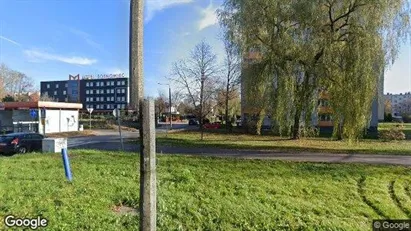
(203,193)
(318,145)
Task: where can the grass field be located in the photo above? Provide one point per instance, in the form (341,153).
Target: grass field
(203,193)
(236,140)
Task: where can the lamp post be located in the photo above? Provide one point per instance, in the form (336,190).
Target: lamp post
(169,102)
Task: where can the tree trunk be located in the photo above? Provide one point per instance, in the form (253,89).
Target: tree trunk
(201,108)
(296,128)
(339,131)
(226,107)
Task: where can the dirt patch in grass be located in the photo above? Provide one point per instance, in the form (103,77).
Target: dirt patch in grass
(123,128)
(125,210)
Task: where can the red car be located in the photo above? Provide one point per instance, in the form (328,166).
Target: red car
(212,126)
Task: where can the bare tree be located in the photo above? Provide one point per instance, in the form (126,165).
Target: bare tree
(161,103)
(47,98)
(14,83)
(198,77)
(232,68)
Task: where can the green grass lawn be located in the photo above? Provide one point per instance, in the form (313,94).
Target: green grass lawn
(203,193)
(236,140)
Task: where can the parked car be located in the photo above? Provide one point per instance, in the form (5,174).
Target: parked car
(22,142)
(193,122)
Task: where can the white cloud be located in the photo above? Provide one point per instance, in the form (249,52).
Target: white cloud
(87,38)
(208,17)
(154,6)
(117,70)
(36,56)
(10,41)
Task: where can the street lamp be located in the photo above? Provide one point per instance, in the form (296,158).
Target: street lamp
(169,99)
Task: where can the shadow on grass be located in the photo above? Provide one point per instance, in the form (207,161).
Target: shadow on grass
(176,142)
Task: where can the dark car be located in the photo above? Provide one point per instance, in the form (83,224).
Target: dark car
(193,122)
(20,143)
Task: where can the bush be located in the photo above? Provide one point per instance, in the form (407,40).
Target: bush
(388,117)
(309,132)
(406,118)
(395,133)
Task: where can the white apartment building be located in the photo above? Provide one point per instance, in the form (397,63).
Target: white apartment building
(400,103)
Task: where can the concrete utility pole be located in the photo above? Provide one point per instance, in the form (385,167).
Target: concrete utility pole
(145,112)
(136,54)
(148,175)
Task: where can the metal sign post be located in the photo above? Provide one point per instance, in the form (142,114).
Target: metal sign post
(90,110)
(33,114)
(43,119)
(116,113)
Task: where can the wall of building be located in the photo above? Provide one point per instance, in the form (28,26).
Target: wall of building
(6,119)
(60,121)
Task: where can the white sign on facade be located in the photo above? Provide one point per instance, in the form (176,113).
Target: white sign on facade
(90,110)
(104,76)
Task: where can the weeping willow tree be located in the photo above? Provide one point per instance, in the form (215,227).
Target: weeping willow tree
(289,53)
(257,94)
(319,43)
(367,36)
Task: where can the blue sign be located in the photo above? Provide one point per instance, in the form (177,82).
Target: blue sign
(33,113)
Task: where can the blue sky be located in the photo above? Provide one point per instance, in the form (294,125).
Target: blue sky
(50,39)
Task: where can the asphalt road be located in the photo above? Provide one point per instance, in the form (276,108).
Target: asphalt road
(110,141)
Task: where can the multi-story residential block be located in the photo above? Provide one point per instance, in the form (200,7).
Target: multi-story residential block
(400,103)
(101,94)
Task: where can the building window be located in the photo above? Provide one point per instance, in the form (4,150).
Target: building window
(98,84)
(98,106)
(112,98)
(112,83)
(112,90)
(48,86)
(123,99)
(87,84)
(65,85)
(55,92)
(123,90)
(98,99)
(97,91)
(91,92)
(64,92)
(87,99)
(123,83)
(87,92)
(119,106)
(91,99)
(118,90)
(101,99)
(57,85)
(108,99)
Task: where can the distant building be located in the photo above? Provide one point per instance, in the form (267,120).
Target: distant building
(103,93)
(400,103)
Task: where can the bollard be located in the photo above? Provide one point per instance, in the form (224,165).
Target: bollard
(66,164)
